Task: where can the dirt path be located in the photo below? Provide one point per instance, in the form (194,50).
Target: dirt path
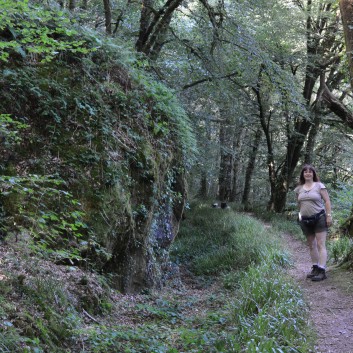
(330,301)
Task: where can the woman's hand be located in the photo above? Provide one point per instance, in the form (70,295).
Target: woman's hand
(329,220)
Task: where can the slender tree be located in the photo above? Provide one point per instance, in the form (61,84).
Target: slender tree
(72,5)
(251,166)
(226,160)
(238,139)
(346,7)
(108,16)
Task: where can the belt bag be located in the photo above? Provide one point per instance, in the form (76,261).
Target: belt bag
(310,221)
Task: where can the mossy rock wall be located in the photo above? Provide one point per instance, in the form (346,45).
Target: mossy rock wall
(117,138)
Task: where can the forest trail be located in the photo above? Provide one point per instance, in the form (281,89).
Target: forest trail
(330,301)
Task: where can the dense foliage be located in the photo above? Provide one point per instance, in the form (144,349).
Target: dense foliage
(251,305)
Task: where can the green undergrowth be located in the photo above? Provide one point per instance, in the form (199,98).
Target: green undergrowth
(340,245)
(252,307)
(36,315)
(268,312)
(286,222)
(220,240)
(339,250)
(239,300)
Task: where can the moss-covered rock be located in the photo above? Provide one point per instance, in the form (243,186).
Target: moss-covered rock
(117,140)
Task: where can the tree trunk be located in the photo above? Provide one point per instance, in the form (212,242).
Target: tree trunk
(108,16)
(310,145)
(154,26)
(226,163)
(202,193)
(145,20)
(346,7)
(2,223)
(72,5)
(337,107)
(265,120)
(233,192)
(250,167)
(237,143)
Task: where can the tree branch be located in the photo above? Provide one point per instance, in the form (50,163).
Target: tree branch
(334,104)
(209,79)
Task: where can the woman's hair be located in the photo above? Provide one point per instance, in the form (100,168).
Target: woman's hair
(308,167)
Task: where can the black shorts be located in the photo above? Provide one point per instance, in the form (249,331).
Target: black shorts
(318,227)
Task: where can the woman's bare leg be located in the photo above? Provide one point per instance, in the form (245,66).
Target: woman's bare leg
(313,247)
(321,247)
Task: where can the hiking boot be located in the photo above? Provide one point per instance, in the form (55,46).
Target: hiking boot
(314,272)
(320,276)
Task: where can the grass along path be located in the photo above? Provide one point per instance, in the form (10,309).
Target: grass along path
(330,301)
